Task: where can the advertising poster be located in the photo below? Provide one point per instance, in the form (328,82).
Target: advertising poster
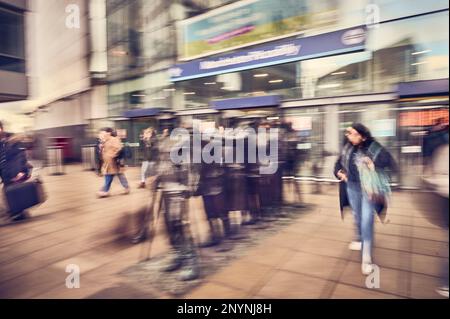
(250,22)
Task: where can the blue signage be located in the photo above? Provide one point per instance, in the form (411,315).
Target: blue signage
(141,112)
(246,102)
(333,43)
(427,87)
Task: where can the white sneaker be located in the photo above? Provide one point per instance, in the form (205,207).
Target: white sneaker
(443,291)
(102,194)
(367,268)
(355,245)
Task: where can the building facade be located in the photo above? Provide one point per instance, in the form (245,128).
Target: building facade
(321,93)
(13,79)
(62,54)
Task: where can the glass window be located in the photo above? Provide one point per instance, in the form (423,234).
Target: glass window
(330,76)
(11,34)
(333,76)
(409,50)
(394,9)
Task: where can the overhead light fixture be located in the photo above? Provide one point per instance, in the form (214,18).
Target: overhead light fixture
(210,83)
(261,75)
(138,95)
(339,73)
(330,86)
(419,63)
(189,93)
(273,118)
(421,52)
(228,88)
(158,98)
(276,81)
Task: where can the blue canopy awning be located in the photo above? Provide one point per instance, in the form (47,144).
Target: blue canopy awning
(246,102)
(423,88)
(141,112)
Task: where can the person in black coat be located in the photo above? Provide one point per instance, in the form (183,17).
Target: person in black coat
(14,167)
(149,149)
(362,149)
(211,186)
(98,156)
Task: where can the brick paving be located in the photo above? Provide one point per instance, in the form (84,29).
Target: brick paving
(308,258)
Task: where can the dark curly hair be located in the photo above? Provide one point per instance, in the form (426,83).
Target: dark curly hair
(364,132)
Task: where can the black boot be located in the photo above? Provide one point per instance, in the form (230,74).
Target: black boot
(236,231)
(227,227)
(176,263)
(191,270)
(215,238)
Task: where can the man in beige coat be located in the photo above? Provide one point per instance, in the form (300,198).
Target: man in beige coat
(110,154)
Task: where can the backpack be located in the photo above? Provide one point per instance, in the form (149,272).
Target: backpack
(125,153)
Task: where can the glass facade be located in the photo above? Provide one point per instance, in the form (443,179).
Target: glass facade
(397,51)
(142,45)
(404,46)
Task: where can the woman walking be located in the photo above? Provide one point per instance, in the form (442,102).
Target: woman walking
(362,169)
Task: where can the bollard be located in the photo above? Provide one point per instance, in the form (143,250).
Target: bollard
(88,157)
(55,160)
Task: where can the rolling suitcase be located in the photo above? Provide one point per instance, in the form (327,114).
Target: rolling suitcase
(22,196)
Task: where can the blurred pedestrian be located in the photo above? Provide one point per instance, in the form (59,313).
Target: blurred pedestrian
(111,157)
(362,166)
(98,156)
(236,187)
(437,180)
(292,161)
(149,149)
(436,136)
(173,179)
(149,146)
(14,167)
(211,186)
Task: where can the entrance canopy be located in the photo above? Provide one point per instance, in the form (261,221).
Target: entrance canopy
(247,102)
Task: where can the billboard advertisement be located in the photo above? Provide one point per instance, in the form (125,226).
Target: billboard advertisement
(250,22)
(289,50)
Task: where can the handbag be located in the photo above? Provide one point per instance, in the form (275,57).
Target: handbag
(374,182)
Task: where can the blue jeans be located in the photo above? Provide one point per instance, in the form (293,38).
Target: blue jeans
(363,212)
(147,169)
(109,179)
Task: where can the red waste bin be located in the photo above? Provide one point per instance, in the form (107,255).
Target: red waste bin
(66,144)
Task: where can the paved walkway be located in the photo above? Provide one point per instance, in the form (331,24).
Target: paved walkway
(307,259)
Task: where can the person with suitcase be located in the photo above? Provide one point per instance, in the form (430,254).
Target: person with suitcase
(14,169)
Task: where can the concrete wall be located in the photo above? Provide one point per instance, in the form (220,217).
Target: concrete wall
(60,54)
(13,86)
(76,135)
